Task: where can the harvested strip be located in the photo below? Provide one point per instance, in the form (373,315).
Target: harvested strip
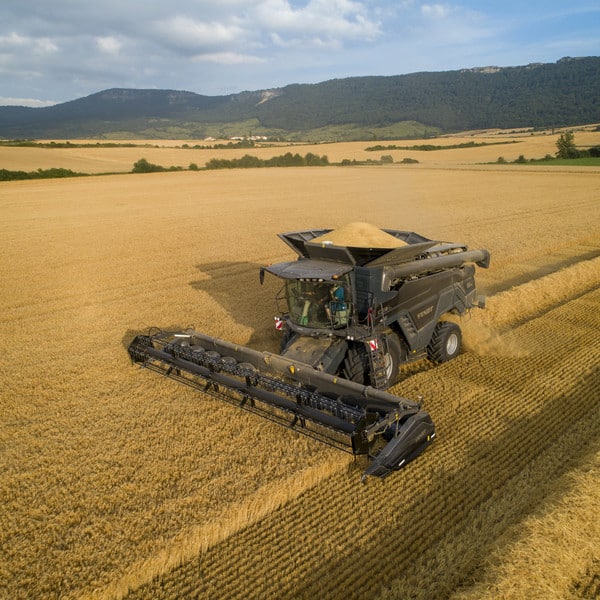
(551,545)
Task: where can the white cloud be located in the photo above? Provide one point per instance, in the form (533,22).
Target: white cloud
(196,35)
(31,102)
(229,58)
(13,40)
(108,45)
(45,46)
(328,22)
(437,11)
(28,44)
(237,26)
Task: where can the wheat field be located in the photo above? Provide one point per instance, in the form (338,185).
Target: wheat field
(98,159)
(116,483)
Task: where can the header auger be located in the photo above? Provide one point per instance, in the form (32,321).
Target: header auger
(357,303)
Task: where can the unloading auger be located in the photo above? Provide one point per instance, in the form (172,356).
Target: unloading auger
(356,418)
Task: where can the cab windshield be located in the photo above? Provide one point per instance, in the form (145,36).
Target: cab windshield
(318,304)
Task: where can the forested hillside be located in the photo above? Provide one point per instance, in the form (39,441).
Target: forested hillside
(564,93)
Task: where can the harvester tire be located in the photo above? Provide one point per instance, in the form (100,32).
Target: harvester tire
(393,357)
(355,364)
(445,342)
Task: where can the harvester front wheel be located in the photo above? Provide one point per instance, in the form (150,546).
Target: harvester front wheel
(394,356)
(445,342)
(355,364)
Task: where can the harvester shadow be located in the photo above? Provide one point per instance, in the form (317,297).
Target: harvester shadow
(236,287)
(452,492)
(409,544)
(493,467)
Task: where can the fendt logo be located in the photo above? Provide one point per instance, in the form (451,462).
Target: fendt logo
(425,312)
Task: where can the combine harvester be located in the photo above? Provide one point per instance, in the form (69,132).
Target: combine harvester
(357,303)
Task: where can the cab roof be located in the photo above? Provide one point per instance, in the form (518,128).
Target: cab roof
(309,269)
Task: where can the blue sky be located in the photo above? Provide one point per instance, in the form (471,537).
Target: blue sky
(57,50)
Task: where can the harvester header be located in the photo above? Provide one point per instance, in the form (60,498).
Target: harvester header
(356,418)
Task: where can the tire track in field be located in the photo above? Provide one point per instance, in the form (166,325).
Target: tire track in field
(546,265)
(459,556)
(501,425)
(534,213)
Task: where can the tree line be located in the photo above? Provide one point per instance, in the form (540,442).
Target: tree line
(53,173)
(285,160)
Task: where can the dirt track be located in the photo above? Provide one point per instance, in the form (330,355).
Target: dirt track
(112,477)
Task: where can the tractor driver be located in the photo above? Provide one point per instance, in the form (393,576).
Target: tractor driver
(337,309)
(314,298)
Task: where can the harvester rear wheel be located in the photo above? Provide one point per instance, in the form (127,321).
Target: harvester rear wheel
(445,342)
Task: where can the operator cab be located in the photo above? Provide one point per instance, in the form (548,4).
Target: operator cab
(318,293)
(318,304)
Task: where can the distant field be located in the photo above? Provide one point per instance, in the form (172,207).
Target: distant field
(117,483)
(170,153)
(593,161)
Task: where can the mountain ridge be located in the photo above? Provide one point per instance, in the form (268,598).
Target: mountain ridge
(565,93)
